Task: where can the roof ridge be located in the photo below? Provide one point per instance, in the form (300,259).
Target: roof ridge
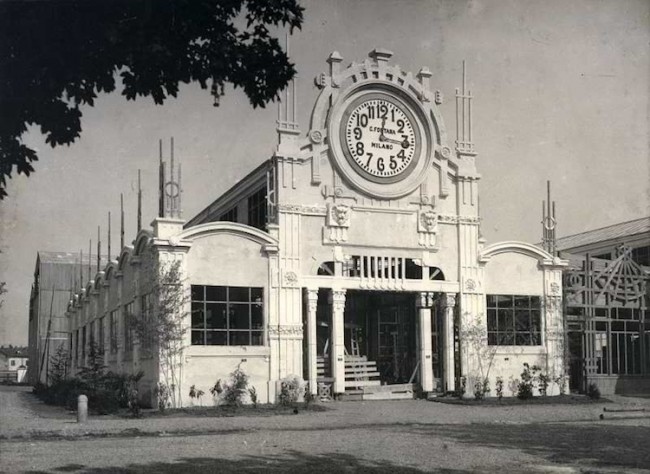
(602,228)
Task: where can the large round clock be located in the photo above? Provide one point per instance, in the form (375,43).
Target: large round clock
(380,137)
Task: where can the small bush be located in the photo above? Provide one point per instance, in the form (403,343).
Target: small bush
(527,384)
(463,387)
(291,389)
(161,391)
(237,388)
(499,387)
(481,388)
(253,394)
(593,391)
(543,384)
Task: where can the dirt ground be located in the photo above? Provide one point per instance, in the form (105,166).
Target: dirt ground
(389,436)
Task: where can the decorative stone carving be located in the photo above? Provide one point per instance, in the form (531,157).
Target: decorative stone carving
(449,301)
(470,285)
(316,136)
(338,221)
(445,151)
(425,299)
(285,330)
(337,298)
(312,301)
(290,278)
(301,209)
(555,288)
(438,97)
(452,219)
(427,228)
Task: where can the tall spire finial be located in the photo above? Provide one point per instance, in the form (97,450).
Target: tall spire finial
(109,236)
(99,247)
(549,223)
(139,203)
(288,104)
(121,222)
(170,190)
(90,253)
(464,141)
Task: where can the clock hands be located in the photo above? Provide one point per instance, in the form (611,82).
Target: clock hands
(383,138)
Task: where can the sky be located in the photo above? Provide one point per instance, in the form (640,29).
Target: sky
(562,94)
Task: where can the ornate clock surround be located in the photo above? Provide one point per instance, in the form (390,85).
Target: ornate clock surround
(415,172)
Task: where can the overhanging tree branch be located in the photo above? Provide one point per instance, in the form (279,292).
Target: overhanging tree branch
(57,56)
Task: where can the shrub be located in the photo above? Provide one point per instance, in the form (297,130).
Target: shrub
(253,394)
(161,391)
(527,384)
(543,384)
(237,388)
(463,387)
(291,389)
(481,388)
(499,387)
(593,391)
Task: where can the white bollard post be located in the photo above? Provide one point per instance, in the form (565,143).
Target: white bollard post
(82,409)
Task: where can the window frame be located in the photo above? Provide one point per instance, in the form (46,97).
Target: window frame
(210,333)
(500,311)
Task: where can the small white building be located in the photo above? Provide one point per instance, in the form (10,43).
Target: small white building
(352,258)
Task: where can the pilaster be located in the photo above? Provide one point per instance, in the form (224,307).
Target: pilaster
(448,373)
(424,303)
(337,362)
(312,370)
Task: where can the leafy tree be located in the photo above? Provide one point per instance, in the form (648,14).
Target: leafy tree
(56,56)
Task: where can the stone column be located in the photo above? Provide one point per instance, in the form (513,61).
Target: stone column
(337,361)
(424,302)
(448,375)
(312,305)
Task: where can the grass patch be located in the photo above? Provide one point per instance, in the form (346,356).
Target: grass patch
(514,401)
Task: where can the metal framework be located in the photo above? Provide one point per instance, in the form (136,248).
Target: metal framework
(608,329)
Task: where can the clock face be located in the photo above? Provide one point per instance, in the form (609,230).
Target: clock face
(380,137)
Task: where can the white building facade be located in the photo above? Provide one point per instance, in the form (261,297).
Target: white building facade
(351,258)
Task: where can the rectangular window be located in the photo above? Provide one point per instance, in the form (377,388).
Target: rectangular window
(91,334)
(83,342)
(100,335)
(227,316)
(112,331)
(127,314)
(257,209)
(146,311)
(514,320)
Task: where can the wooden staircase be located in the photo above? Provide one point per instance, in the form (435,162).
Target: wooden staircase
(362,380)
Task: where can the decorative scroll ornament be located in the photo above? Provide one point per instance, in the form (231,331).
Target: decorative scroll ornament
(470,285)
(426,299)
(316,136)
(555,288)
(338,221)
(427,228)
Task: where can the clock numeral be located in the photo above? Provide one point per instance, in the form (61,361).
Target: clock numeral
(393,162)
(380,164)
(362,120)
(359,148)
(382,111)
(400,125)
(369,160)
(371,112)
(392,115)
(401,155)
(357,133)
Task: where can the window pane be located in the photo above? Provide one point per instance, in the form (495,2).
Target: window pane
(522,320)
(197,292)
(239,293)
(216,316)
(504,301)
(522,301)
(536,321)
(240,338)
(215,293)
(257,338)
(535,339)
(197,338)
(491,301)
(535,302)
(505,319)
(216,338)
(257,317)
(492,319)
(239,316)
(257,294)
(197,316)
(522,339)
(492,338)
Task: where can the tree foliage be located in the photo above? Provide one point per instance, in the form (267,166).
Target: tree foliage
(56,56)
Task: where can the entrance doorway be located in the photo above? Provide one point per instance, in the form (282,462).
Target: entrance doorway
(381,327)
